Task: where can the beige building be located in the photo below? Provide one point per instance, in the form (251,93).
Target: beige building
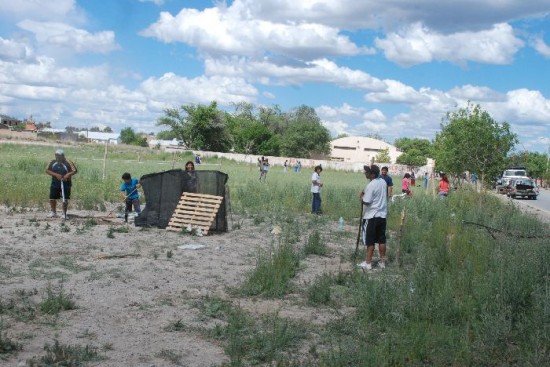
(360,149)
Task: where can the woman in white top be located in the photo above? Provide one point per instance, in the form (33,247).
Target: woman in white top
(316,185)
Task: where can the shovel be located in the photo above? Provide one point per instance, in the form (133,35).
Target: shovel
(64,203)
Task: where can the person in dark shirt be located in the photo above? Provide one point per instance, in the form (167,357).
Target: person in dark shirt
(191,179)
(61,170)
(389,181)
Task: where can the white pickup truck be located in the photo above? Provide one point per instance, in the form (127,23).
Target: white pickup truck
(508,175)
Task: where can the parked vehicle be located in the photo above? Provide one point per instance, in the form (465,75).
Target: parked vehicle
(508,175)
(526,188)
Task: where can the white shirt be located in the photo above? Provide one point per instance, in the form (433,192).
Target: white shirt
(315,188)
(375,198)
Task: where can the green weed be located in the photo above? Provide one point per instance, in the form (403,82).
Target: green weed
(66,355)
(319,293)
(54,302)
(273,272)
(315,245)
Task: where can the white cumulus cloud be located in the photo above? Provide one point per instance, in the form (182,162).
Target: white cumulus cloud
(321,71)
(11,50)
(418,44)
(226,31)
(66,36)
(41,10)
(175,90)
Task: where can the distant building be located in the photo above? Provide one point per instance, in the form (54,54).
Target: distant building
(98,137)
(8,122)
(168,145)
(360,149)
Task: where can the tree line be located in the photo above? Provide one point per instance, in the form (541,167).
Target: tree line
(248,130)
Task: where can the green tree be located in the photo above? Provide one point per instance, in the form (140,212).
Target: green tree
(128,136)
(536,163)
(383,156)
(305,135)
(471,140)
(413,157)
(107,129)
(199,126)
(415,151)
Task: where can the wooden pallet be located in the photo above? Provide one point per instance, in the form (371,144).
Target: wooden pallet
(195,210)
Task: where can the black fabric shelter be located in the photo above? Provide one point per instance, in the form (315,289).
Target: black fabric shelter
(163,191)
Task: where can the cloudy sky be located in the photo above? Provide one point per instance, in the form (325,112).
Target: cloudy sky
(392,67)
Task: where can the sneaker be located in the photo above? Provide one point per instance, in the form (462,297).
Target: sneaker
(382,264)
(365,265)
(52,215)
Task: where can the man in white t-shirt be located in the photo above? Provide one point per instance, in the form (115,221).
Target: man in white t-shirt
(316,185)
(375,210)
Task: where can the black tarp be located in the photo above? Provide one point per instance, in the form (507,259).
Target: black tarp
(163,191)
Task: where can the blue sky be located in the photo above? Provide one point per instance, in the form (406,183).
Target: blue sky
(392,67)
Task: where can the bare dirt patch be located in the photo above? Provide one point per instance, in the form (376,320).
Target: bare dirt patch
(130,285)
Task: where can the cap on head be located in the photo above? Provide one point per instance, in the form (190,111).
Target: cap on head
(59,152)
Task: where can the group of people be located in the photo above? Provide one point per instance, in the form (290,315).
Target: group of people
(374,199)
(62,170)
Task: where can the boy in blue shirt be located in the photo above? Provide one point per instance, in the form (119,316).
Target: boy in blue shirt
(129,189)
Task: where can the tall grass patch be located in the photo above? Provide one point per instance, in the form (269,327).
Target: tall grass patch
(462,298)
(273,272)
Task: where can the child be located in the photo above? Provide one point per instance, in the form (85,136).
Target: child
(128,189)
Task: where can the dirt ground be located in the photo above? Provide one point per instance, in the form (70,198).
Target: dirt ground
(129,288)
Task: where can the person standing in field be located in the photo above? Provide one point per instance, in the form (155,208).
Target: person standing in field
(285,165)
(388,179)
(61,170)
(191,179)
(444,186)
(413,179)
(265,168)
(405,184)
(129,190)
(375,210)
(316,185)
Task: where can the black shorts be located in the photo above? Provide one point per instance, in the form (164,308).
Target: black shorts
(374,230)
(55,192)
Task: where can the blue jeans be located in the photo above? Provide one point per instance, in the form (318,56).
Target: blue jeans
(316,204)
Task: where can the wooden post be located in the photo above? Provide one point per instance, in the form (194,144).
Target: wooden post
(400,236)
(105,161)
(173,159)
